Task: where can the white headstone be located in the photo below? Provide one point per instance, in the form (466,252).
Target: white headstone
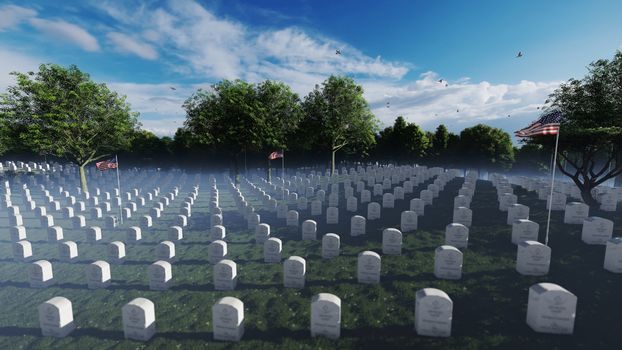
(357,225)
(228,319)
(613,255)
(551,309)
(332,215)
(373,211)
(326,316)
(56,317)
(517,212)
(272,248)
(391,241)
(309,230)
(218,232)
(533,258)
(262,233)
(294,270)
(165,250)
(40,274)
(433,313)
(463,215)
(225,275)
(216,251)
(575,213)
(175,233)
(524,230)
(68,251)
(368,267)
(116,252)
(448,263)
(134,234)
(160,275)
(457,235)
(596,230)
(330,245)
(98,275)
(139,319)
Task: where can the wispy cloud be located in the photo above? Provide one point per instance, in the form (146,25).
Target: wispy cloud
(11,15)
(66,31)
(127,44)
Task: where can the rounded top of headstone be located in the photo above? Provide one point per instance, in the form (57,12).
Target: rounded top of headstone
(309,222)
(548,287)
(432,292)
(167,243)
(134,229)
(369,253)
(100,263)
(274,239)
(391,231)
(117,243)
(531,243)
(448,248)
(59,303)
(326,297)
(218,242)
(297,259)
(69,243)
(332,235)
(227,262)
(455,225)
(43,263)
(164,264)
(231,301)
(142,303)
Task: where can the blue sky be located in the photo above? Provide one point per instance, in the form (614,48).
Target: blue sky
(398,50)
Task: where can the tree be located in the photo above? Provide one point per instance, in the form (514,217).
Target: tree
(591,129)
(337,117)
(402,141)
(282,113)
(62,112)
(228,117)
(486,146)
(441,139)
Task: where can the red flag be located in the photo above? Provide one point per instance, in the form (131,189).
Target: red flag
(106,164)
(276,154)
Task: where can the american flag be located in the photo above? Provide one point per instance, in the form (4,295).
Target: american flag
(276,154)
(106,164)
(547,124)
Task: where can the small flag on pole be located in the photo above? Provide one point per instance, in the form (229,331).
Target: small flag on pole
(106,164)
(275,155)
(547,124)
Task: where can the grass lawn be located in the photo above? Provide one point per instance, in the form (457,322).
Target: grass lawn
(490,301)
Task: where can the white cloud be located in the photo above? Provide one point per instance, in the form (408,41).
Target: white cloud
(66,31)
(125,43)
(11,15)
(10,61)
(428,102)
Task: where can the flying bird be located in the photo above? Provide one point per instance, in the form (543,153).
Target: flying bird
(446,85)
(457,110)
(508,115)
(172,88)
(520,54)
(440,80)
(337,52)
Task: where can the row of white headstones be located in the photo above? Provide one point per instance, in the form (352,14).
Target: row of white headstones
(232,262)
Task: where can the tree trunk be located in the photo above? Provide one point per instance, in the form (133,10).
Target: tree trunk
(586,195)
(332,168)
(83,178)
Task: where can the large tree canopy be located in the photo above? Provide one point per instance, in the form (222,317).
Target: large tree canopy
(337,117)
(591,132)
(403,141)
(62,112)
(483,145)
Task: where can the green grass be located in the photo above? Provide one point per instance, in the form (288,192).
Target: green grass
(489,302)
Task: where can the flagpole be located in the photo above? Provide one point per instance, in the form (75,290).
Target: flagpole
(119,187)
(283,170)
(269,171)
(548,221)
